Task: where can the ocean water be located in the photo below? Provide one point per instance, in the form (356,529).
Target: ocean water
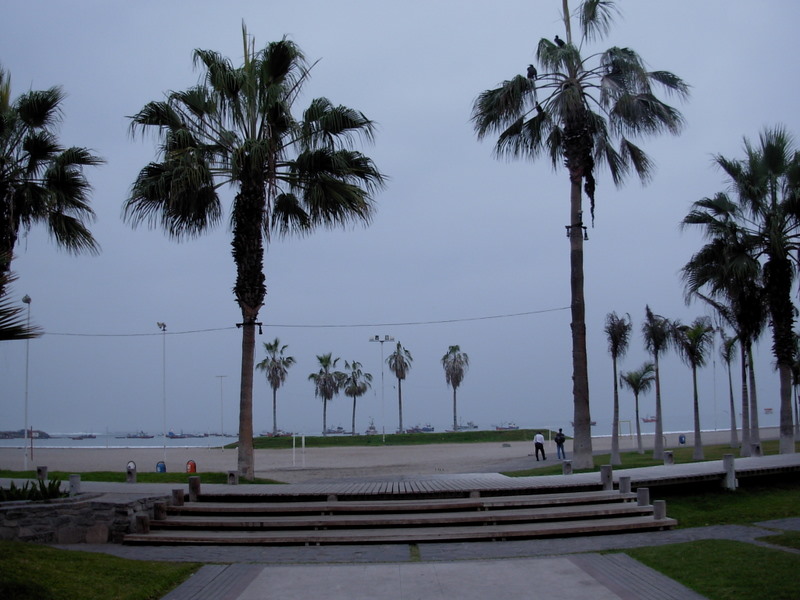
(118,440)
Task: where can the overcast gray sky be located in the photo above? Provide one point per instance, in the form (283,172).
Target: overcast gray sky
(457,234)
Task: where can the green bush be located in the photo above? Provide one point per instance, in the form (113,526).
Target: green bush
(38,491)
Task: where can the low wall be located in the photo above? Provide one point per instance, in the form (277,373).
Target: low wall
(84,518)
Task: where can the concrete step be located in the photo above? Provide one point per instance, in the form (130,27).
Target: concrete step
(403,534)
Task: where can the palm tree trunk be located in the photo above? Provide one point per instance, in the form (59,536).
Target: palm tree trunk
(745,450)
(734,433)
(698,442)
(786,429)
(615,459)
(755,433)
(245,462)
(582,440)
(658,441)
(353,422)
(455,415)
(274,411)
(324,417)
(638,424)
(400,401)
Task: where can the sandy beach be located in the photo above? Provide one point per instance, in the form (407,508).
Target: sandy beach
(335,464)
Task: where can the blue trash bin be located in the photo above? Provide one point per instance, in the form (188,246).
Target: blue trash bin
(682,439)
(161,467)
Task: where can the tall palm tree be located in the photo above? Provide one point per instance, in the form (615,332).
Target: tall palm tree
(727,351)
(761,215)
(618,331)
(356,384)
(399,363)
(41,181)
(639,382)
(290,174)
(275,366)
(693,343)
(455,364)
(656,332)
(574,112)
(327,383)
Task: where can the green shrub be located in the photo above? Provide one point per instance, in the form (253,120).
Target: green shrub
(38,491)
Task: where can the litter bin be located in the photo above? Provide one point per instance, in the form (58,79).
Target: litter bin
(161,467)
(682,439)
(191,467)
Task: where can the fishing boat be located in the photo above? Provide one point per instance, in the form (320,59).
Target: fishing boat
(648,419)
(510,426)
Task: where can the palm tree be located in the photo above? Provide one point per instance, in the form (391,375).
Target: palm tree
(639,382)
(41,182)
(692,342)
(291,175)
(574,112)
(356,384)
(618,331)
(327,383)
(656,333)
(455,364)
(727,351)
(276,367)
(761,216)
(399,363)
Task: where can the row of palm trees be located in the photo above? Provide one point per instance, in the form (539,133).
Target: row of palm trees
(745,272)
(353,381)
(659,334)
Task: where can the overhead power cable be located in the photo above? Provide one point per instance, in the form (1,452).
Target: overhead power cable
(321,325)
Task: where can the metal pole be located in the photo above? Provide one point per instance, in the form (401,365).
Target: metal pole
(26,300)
(163,328)
(385,338)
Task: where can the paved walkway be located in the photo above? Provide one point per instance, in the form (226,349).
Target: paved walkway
(525,568)
(567,567)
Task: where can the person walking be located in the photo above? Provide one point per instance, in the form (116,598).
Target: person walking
(559,439)
(538,443)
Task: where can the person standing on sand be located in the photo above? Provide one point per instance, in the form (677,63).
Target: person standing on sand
(538,443)
(559,439)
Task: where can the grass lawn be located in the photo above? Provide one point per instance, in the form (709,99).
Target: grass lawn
(789,539)
(727,570)
(34,572)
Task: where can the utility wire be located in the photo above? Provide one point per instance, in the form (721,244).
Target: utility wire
(321,326)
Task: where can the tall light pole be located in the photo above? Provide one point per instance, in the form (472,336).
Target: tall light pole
(385,338)
(221,413)
(26,300)
(163,328)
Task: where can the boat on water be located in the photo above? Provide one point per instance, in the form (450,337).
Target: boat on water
(421,429)
(511,426)
(648,419)
(89,436)
(337,431)
(141,435)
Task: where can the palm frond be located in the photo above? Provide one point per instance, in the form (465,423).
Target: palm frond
(596,17)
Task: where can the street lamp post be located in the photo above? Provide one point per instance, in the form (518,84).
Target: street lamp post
(385,338)
(163,328)
(26,300)
(221,413)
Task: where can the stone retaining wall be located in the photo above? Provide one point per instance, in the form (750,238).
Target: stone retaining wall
(81,519)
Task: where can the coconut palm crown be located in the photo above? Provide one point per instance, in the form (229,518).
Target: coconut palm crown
(289,174)
(581,111)
(41,182)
